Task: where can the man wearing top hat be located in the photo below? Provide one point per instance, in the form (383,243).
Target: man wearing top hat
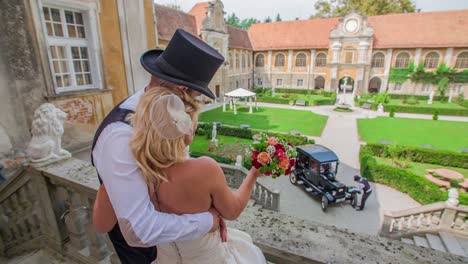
(132,223)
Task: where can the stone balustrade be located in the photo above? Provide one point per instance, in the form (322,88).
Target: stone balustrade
(431,218)
(50,208)
(268,199)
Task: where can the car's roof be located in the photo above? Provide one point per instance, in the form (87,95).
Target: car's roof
(320,153)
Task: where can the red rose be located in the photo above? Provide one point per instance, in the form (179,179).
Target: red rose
(267,173)
(293,162)
(288,171)
(254,154)
(256,164)
(280,154)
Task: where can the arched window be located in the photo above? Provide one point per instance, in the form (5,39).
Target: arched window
(402,60)
(301,60)
(432,60)
(462,60)
(244,60)
(321,60)
(378,60)
(260,60)
(279,60)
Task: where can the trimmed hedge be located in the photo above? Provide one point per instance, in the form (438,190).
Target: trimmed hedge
(425,110)
(418,97)
(423,155)
(296,140)
(417,187)
(220,159)
(277,100)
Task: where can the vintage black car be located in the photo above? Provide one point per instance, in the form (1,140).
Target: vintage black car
(315,171)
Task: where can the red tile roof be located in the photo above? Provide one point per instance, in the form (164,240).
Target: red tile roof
(199,12)
(170,19)
(239,38)
(297,34)
(431,29)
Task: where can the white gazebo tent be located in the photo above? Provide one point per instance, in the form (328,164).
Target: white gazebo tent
(235,95)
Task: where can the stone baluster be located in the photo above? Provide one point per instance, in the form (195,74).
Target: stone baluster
(19,227)
(392,224)
(263,193)
(268,200)
(98,248)
(400,223)
(258,193)
(36,212)
(410,221)
(419,221)
(26,205)
(75,220)
(5,230)
(276,201)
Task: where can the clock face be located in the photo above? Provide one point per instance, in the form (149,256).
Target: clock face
(351,25)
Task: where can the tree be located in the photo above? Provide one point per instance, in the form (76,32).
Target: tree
(233,20)
(442,86)
(246,23)
(267,20)
(278,18)
(336,8)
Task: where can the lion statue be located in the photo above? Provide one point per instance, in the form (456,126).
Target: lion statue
(47,131)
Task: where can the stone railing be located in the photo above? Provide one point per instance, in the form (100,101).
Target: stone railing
(431,218)
(268,199)
(49,208)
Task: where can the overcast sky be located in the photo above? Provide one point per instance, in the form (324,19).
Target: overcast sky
(290,9)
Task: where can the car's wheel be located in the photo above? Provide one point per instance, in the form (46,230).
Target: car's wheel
(293,178)
(324,203)
(354,199)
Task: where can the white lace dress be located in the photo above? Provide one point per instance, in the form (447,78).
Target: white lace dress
(210,249)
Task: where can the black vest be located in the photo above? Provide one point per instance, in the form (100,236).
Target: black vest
(126,253)
(366,184)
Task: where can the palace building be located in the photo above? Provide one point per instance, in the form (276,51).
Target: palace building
(354,51)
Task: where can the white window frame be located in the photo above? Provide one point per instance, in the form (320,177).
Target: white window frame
(427,87)
(89,11)
(302,82)
(279,82)
(259,81)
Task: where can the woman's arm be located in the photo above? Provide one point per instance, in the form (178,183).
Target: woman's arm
(228,203)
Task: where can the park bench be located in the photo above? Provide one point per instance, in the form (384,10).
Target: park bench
(245,126)
(441,183)
(300,102)
(366,106)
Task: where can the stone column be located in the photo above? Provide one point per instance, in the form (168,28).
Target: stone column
(334,79)
(363,50)
(290,62)
(448,56)
(234,60)
(269,68)
(336,48)
(310,84)
(250,105)
(417,57)
(388,65)
(224,104)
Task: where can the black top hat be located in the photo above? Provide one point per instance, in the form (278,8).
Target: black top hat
(187,61)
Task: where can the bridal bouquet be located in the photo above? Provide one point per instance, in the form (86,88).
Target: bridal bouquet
(272,156)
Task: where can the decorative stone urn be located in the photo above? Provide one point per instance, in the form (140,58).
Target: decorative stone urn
(47,131)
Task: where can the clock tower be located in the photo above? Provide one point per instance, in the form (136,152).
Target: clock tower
(351,49)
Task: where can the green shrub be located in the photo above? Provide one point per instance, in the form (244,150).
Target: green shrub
(415,186)
(412,101)
(392,113)
(460,99)
(425,110)
(381,98)
(200,131)
(296,140)
(423,155)
(436,115)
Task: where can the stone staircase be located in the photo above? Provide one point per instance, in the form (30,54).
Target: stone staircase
(444,242)
(441,226)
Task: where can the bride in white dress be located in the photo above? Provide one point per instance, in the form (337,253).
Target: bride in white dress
(164,125)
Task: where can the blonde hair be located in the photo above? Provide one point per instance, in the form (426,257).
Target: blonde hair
(152,152)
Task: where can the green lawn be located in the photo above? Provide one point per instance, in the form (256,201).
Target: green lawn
(435,104)
(449,135)
(294,97)
(272,119)
(421,168)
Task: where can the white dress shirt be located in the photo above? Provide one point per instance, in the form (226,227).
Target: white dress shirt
(140,223)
